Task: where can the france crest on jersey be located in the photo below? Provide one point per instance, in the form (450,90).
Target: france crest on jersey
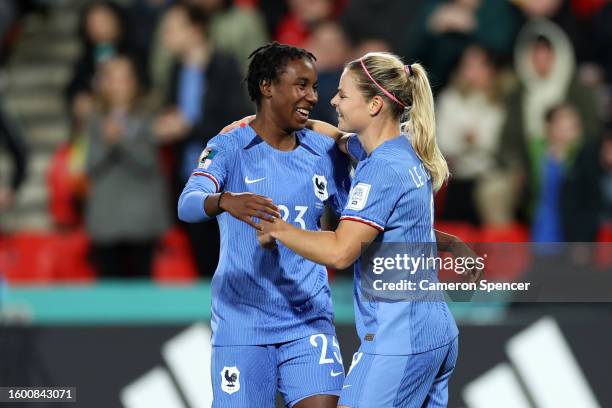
(262,296)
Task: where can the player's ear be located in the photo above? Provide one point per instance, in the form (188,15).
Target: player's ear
(265,87)
(375,105)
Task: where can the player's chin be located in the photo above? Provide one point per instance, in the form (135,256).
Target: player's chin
(299,124)
(343,126)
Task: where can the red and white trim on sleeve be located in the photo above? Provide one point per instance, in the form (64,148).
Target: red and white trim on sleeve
(363,221)
(210,176)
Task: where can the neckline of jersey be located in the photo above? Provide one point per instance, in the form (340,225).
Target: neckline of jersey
(389,142)
(268,146)
(299,136)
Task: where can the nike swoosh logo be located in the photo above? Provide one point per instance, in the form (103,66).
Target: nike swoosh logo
(335,374)
(246,180)
(346,386)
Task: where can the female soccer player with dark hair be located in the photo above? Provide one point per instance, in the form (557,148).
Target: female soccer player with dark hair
(408,348)
(271,309)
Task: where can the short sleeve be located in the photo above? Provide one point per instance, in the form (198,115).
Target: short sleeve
(207,178)
(213,163)
(374,193)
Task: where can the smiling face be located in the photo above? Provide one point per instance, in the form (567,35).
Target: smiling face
(350,104)
(293,95)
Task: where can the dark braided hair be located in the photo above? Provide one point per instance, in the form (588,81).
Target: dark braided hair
(268,63)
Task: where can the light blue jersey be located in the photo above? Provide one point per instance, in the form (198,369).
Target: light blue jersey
(392,192)
(262,296)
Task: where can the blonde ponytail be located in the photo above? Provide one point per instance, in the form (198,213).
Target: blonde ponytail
(407,88)
(422,126)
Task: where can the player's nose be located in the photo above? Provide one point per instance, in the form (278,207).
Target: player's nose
(334,101)
(312,96)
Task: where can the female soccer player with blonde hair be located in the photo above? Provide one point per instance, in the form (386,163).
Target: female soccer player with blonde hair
(409,348)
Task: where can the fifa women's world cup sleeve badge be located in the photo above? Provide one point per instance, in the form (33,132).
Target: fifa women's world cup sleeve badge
(206,158)
(320,187)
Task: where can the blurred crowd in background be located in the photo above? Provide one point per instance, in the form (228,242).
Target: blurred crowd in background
(523,100)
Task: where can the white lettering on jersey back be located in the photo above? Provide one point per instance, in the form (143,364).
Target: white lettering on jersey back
(417,177)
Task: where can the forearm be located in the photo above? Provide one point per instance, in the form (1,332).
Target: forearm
(322,247)
(198,206)
(212,204)
(325,128)
(191,206)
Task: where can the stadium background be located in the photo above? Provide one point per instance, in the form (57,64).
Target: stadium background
(129,340)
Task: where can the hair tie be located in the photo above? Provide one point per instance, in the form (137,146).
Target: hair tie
(408,69)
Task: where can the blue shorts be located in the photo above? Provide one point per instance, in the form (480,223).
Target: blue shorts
(249,376)
(409,381)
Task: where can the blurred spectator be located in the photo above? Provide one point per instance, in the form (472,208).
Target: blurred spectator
(446,27)
(67,183)
(544,64)
(295,27)
(563,15)
(206,90)
(538,8)
(126,210)
(11,141)
(594,37)
(273,12)
(205,95)
(382,19)
(103,35)
(587,195)
(143,18)
(236,30)
(470,113)
(553,156)
(332,49)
